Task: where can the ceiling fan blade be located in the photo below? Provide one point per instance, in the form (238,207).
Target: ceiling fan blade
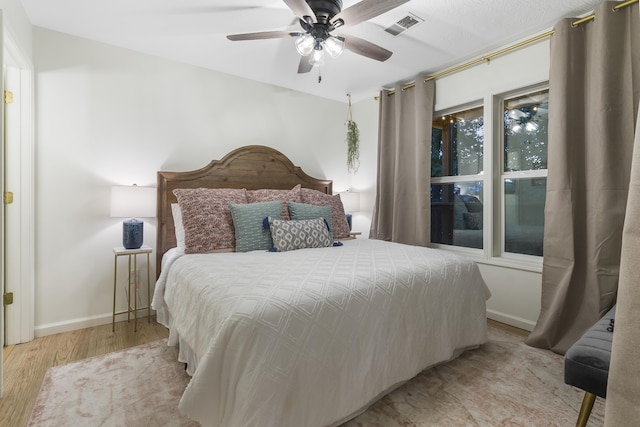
(365,10)
(259,36)
(304,66)
(300,8)
(365,48)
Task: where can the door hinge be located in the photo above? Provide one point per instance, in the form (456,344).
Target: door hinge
(7,298)
(8,197)
(8,97)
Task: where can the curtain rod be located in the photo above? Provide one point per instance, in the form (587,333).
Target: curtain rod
(490,56)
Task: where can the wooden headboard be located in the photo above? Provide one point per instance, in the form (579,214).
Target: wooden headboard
(252,167)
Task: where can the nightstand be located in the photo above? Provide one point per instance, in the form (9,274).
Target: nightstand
(132,268)
(355,233)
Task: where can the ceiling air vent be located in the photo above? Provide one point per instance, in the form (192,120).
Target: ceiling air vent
(403,24)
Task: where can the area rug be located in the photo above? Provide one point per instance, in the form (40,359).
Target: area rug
(139,386)
(502,383)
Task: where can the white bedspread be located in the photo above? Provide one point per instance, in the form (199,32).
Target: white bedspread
(312,337)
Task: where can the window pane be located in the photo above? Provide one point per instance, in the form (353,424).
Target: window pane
(526,132)
(456,214)
(457,143)
(524,215)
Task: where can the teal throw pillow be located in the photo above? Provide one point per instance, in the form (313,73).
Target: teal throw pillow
(248,222)
(305,211)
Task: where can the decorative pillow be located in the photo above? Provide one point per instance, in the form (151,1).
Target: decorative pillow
(305,211)
(473,220)
(268,195)
(177,224)
(248,220)
(206,217)
(339,224)
(300,234)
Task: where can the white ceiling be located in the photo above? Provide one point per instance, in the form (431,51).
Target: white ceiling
(193,32)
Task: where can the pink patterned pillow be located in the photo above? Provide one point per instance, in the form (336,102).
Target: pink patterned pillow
(206,217)
(268,195)
(338,217)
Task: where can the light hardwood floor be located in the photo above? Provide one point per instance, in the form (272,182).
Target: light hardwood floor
(524,334)
(26,364)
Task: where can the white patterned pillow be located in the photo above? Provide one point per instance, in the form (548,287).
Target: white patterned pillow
(299,234)
(305,211)
(206,217)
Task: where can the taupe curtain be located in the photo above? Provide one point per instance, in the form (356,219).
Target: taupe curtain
(623,389)
(593,102)
(401,212)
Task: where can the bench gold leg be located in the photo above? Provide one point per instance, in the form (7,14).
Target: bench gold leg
(585,409)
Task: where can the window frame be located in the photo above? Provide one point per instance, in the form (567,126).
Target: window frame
(452,179)
(500,100)
(493,181)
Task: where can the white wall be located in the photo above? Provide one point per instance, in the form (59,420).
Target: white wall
(365,114)
(106,115)
(16,25)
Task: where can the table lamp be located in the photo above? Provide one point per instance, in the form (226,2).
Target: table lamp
(133,202)
(351,203)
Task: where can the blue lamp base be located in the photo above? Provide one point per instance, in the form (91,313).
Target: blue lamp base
(132,234)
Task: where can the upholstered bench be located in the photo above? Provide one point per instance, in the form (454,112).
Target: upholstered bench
(586,363)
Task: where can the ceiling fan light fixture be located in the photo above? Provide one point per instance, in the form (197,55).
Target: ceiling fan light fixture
(334,46)
(305,44)
(317,58)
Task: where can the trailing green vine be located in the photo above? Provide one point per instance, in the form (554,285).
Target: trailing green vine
(353,142)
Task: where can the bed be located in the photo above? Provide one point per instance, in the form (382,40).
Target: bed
(307,337)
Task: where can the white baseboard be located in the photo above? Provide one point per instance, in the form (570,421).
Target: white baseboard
(507,319)
(87,322)
(103,319)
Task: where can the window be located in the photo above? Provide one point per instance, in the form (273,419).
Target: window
(457,165)
(463,212)
(524,171)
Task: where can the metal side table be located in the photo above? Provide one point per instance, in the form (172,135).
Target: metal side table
(132,255)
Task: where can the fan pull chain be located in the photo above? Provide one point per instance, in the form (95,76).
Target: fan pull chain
(319,76)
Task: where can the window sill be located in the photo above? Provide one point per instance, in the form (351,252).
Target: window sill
(514,261)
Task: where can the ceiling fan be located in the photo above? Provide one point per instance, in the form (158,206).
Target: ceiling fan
(318,19)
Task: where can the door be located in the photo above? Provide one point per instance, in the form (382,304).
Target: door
(12,205)
(18,182)
(17,175)
(1,210)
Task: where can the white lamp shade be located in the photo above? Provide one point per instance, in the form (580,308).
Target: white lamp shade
(133,202)
(350,201)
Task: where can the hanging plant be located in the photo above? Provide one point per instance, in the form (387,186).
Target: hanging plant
(353,142)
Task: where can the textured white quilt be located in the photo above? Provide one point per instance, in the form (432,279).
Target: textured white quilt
(312,337)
